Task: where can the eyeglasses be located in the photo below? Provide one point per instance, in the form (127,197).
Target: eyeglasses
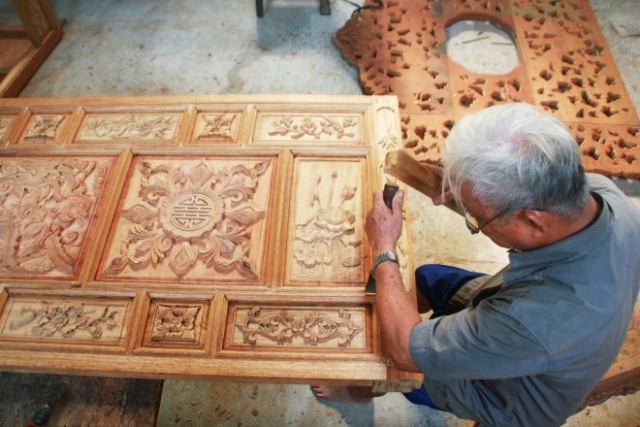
(474,227)
(472,223)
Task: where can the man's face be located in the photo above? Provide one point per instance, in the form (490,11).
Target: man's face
(506,229)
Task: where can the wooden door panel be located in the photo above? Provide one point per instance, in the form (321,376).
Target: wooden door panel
(205,237)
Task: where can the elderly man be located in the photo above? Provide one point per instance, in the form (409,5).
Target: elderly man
(527,345)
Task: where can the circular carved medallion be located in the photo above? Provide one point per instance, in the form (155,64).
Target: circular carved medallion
(191,215)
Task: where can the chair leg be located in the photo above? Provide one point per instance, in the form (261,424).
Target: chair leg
(259,8)
(325,7)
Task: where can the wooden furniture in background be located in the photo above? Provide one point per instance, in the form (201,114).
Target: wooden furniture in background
(193,237)
(24,48)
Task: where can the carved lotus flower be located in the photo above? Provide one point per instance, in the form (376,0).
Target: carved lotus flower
(332,226)
(192,214)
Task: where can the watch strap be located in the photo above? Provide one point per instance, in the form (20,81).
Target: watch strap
(383,257)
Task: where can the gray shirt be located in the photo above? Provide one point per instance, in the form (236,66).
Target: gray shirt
(531,353)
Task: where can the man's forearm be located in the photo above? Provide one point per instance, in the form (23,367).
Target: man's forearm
(397,314)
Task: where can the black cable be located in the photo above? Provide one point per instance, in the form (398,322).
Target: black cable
(378,5)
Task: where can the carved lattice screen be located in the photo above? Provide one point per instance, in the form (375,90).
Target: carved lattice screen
(209,237)
(566,69)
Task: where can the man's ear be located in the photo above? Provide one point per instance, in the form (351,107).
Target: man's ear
(537,221)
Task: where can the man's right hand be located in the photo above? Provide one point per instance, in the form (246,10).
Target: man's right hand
(441,198)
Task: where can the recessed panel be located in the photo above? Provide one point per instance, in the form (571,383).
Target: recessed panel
(176,324)
(191,220)
(122,127)
(327,227)
(271,327)
(43,129)
(309,127)
(48,208)
(220,126)
(50,319)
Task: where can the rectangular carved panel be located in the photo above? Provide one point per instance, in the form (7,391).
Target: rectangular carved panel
(80,321)
(128,127)
(176,324)
(217,127)
(47,208)
(309,128)
(43,129)
(314,328)
(191,220)
(327,222)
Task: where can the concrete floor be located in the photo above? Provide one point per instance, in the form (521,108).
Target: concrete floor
(178,47)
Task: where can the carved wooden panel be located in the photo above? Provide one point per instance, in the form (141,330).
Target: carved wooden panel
(176,325)
(316,128)
(326,227)
(185,219)
(566,69)
(43,129)
(47,208)
(268,327)
(128,127)
(71,321)
(207,237)
(218,126)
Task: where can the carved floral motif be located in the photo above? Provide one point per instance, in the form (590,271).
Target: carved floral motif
(191,213)
(67,319)
(217,127)
(131,126)
(387,118)
(46,206)
(312,328)
(314,126)
(175,322)
(329,237)
(43,127)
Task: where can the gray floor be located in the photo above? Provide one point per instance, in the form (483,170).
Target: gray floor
(182,47)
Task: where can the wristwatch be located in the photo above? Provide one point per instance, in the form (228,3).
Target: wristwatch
(383,257)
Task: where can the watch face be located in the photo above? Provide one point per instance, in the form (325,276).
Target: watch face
(482,47)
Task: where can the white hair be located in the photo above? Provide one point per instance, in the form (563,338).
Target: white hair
(516,157)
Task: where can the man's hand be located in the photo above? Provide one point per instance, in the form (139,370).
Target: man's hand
(396,310)
(442,198)
(383,225)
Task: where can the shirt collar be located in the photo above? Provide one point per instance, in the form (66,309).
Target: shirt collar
(524,264)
